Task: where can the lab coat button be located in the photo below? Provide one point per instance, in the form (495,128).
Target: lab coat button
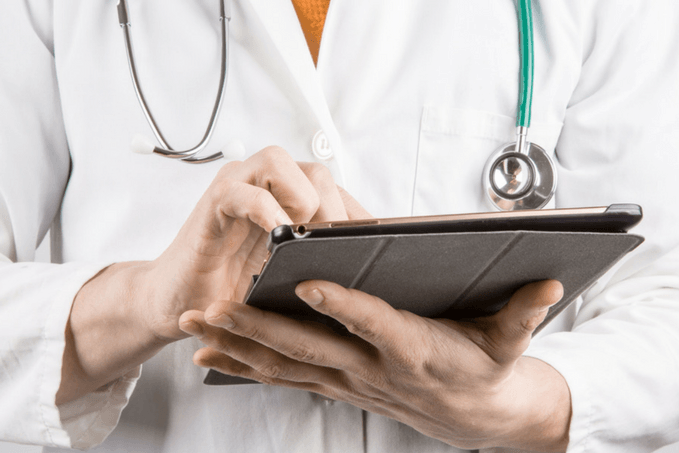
(320,146)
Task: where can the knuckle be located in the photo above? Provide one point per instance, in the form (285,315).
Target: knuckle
(274,153)
(365,328)
(305,353)
(307,204)
(224,189)
(319,175)
(265,380)
(228,170)
(254,333)
(221,184)
(265,165)
(410,362)
(527,326)
(271,370)
(374,378)
(223,345)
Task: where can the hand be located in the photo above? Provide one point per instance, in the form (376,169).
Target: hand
(222,244)
(462,382)
(129,311)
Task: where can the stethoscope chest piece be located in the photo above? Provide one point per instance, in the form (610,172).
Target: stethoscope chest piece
(521,175)
(515,180)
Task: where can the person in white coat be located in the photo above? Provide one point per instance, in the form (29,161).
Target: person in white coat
(410,99)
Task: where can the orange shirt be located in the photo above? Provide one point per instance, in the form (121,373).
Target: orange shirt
(311,15)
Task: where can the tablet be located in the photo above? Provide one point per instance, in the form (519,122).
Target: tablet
(454,266)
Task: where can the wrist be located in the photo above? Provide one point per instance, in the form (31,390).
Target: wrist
(149,308)
(105,337)
(538,406)
(119,296)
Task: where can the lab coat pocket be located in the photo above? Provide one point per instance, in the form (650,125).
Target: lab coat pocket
(453,147)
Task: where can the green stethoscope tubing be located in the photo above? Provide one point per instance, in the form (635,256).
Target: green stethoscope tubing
(525,13)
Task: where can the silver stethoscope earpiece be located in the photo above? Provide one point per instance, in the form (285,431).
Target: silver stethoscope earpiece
(142,145)
(521,175)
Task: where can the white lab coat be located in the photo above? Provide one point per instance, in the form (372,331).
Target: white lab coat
(413,96)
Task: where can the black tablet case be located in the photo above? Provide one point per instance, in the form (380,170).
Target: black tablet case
(450,275)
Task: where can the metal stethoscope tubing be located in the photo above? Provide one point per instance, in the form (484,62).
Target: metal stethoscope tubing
(142,145)
(521,175)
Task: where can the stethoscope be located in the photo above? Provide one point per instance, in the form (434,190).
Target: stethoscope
(521,175)
(517,176)
(144,146)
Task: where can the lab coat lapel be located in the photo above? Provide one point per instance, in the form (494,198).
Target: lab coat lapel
(281,23)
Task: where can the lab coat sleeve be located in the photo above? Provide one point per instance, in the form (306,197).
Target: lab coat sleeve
(35,298)
(620,143)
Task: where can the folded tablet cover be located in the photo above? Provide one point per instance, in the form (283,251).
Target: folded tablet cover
(451,275)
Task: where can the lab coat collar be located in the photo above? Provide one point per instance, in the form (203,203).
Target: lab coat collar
(281,23)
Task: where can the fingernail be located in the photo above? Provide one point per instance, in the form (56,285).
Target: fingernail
(223,321)
(313,297)
(192,328)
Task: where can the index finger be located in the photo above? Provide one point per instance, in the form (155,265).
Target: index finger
(274,170)
(366,316)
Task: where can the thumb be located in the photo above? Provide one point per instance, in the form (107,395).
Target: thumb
(509,330)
